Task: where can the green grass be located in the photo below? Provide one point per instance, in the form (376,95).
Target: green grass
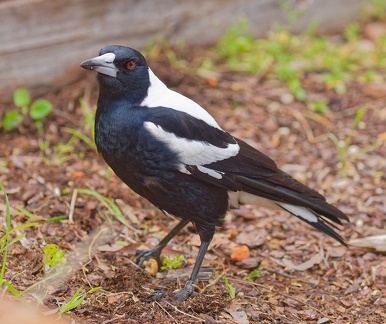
(288,57)
(254,274)
(231,290)
(88,131)
(111,206)
(76,300)
(6,241)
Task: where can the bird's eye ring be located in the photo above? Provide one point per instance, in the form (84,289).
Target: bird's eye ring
(131,64)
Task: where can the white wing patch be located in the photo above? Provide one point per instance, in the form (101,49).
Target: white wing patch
(192,152)
(160,95)
(211,172)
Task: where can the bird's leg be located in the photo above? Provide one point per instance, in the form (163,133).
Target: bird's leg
(155,252)
(187,290)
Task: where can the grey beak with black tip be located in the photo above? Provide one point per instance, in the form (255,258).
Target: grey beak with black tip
(102,64)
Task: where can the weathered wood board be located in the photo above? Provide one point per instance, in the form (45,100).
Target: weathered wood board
(41,40)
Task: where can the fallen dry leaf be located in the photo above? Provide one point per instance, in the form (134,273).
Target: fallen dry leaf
(110,247)
(376,242)
(316,259)
(252,239)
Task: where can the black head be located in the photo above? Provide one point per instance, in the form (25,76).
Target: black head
(122,71)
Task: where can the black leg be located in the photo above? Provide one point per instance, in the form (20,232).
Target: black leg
(142,255)
(188,289)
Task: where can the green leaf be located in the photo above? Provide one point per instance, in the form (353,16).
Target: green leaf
(11,119)
(21,98)
(57,218)
(358,117)
(254,274)
(76,300)
(40,109)
(12,289)
(319,106)
(172,262)
(53,256)
(230,288)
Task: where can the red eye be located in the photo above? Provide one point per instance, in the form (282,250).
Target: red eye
(131,64)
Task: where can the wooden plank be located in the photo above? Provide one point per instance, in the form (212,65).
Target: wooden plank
(41,40)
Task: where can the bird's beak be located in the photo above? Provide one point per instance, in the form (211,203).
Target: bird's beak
(102,64)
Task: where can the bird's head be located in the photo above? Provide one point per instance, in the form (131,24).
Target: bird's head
(121,71)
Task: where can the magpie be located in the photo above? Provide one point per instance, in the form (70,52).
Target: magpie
(171,151)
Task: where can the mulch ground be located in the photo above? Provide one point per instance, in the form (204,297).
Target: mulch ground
(304,276)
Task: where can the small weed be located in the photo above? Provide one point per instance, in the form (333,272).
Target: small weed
(351,32)
(319,106)
(53,258)
(59,153)
(254,274)
(38,110)
(76,300)
(174,262)
(230,288)
(342,146)
(87,134)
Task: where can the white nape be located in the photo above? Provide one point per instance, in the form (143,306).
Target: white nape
(159,95)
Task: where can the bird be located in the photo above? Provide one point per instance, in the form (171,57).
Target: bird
(171,151)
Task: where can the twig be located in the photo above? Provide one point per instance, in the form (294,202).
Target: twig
(83,267)
(72,206)
(167,313)
(215,280)
(186,314)
(290,277)
(305,124)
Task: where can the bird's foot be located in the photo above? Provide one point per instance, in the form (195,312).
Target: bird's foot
(141,256)
(184,293)
(174,297)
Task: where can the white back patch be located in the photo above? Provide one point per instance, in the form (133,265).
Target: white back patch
(160,95)
(192,152)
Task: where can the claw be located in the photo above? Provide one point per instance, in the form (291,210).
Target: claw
(176,296)
(143,255)
(157,294)
(183,293)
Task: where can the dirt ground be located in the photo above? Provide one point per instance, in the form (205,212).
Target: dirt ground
(303,276)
